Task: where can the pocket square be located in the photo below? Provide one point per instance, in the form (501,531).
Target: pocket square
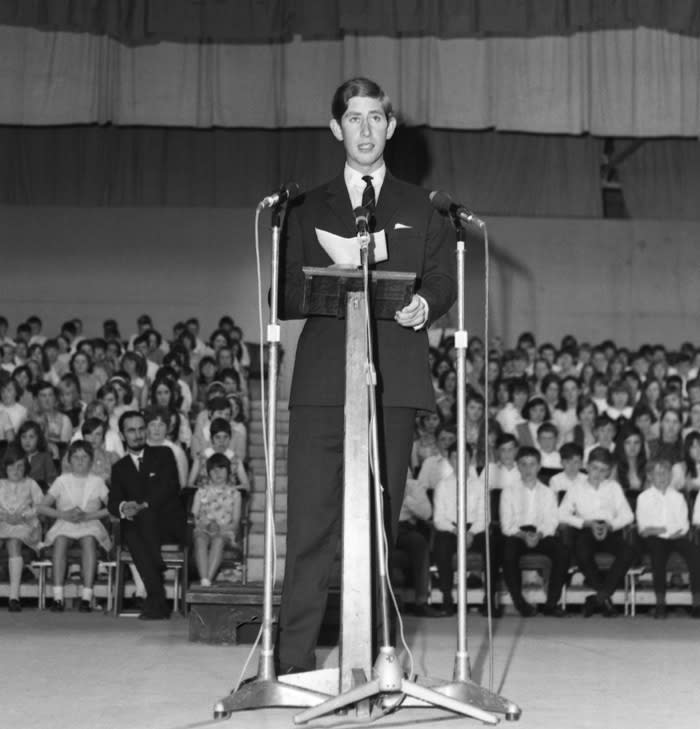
(401,226)
(151,475)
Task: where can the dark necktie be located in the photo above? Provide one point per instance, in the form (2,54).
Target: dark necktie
(369,201)
(139,460)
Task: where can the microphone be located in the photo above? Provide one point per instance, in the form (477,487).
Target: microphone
(445,204)
(362,224)
(287,192)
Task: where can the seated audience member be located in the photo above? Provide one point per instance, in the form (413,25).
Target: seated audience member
(217,517)
(425,443)
(598,387)
(619,402)
(445,524)
(31,440)
(145,495)
(529,521)
(550,389)
(547,437)
(56,426)
(651,398)
(504,471)
(446,397)
(10,393)
(135,367)
(69,400)
(82,367)
(645,421)
(413,540)
(598,510)
(158,425)
(24,377)
(535,413)
(662,521)
(510,416)
(584,430)
(19,524)
(220,442)
(605,431)
(93,431)
(693,388)
(630,462)
(217,407)
(438,466)
(165,393)
(77,501)
(692,420)
(565,416)
(206,377)
(571,455)
(685,475)
(669,445)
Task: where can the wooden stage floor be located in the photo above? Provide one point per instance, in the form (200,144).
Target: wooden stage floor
(97,672)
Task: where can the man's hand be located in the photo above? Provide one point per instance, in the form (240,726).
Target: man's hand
(414,314)
(532,539)
(600,530)
(73,515)
(132,508)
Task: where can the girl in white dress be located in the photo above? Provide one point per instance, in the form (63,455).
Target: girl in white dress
(77,501)
(19,523)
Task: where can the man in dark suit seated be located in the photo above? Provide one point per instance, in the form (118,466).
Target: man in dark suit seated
(418,240)
(145,495)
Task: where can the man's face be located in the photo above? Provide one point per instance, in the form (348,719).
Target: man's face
(364,130)
(506,453)
(135,433)
(529,467)
(597,472)
(661,476)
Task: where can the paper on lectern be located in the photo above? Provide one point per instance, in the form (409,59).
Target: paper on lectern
(346,251)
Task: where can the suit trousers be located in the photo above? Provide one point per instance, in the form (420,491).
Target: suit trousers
(413,542)
(314,515)
(144,537)
(444,550)
(553,547)
(660,550)
(587,546)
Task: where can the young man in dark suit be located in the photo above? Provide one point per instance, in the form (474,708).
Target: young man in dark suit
(418,240)
(145,495)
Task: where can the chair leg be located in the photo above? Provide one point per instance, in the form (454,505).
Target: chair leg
(118,588)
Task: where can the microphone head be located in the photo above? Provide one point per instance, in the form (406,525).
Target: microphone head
(441,201)
(361,215)
(293,189)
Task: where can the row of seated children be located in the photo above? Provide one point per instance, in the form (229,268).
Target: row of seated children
(76,504)
(594,516)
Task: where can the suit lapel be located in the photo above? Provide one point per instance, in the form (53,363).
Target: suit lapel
(339,203)
(388,203)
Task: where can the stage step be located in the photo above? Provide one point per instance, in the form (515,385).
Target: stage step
(258,466)
(256,451)
(257,501)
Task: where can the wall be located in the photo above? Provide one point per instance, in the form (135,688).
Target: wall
(633,281)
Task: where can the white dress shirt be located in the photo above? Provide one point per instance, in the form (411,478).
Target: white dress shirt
(500,477)
(508,417)
(445,505)
(668,509)
(561,482)
(416,504)
(535,505)
(356,185)
(584,502)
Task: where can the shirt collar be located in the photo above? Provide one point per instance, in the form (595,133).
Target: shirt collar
(353,178)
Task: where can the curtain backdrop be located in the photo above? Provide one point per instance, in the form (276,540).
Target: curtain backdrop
(147,21)
(639,82)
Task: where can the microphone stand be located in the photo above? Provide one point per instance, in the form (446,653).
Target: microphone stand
(388,683)
(265,690)
(462,687)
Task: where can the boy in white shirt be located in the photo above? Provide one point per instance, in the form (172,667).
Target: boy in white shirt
(504,472)
(547,436)
(598,512)
(529,521)
(662,521)
(571,455)
(445,524)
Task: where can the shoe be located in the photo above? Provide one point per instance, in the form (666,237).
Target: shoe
(428,611)
(660,612)
(57,606)
(85,607)
(695,611)
(154,615)
(608,609)
(590,606)
(526,610)
(555,611)
(14,606)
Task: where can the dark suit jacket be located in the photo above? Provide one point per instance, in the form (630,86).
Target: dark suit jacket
(158,484)
(426,247)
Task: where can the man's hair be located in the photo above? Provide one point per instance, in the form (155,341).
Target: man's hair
(506,438)
(126,416)
(468,450)
(548,428)
(528,452)
(570,450)
(654,462)
(358,87)
(601,455)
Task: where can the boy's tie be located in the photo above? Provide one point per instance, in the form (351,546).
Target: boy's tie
(369,201)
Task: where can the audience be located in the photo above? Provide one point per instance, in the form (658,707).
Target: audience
(613,409)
